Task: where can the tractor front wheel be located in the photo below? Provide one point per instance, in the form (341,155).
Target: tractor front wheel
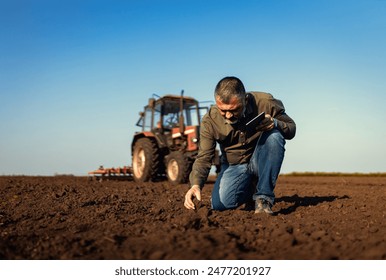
(145,160)
(177,168)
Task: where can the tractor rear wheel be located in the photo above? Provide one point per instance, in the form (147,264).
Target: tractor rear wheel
(177,168)
(146,160)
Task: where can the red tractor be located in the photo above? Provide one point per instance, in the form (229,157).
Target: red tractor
(168,142)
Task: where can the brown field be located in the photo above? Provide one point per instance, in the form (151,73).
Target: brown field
(66,217)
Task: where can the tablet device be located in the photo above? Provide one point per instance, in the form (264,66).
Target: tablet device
(256,120)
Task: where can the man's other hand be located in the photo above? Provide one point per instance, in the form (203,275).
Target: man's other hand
(194,191)
(266,124)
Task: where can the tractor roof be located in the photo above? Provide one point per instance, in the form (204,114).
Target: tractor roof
(177,98)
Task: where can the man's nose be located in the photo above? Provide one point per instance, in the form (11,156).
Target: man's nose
(228,115)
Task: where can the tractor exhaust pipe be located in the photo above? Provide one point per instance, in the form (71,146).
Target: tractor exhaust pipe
(182,122)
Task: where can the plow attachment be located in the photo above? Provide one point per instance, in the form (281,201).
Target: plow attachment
(114,173)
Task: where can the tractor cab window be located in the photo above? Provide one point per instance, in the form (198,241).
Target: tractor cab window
(171,115)
(191,115)
(147,119)
(171,120)
(157,116)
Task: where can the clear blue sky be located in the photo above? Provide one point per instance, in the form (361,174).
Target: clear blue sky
(75,74)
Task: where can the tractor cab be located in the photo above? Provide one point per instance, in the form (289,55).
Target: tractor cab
(165,113)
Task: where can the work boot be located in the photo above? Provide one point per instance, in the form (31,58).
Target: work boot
(263,206)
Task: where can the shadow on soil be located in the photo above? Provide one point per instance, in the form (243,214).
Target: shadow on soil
(298,201)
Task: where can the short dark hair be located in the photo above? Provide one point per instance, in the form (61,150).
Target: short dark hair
(228,88)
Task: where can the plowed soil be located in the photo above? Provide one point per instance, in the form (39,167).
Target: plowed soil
(66,217)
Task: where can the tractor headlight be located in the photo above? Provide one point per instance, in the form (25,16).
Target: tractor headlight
(194,140)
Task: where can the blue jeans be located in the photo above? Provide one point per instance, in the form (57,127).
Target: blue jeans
(235,184)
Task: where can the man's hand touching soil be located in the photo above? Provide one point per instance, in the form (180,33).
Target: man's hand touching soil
(194,192)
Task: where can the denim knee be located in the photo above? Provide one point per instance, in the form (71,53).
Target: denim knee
(222,201)
(217,205)
(272,139)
